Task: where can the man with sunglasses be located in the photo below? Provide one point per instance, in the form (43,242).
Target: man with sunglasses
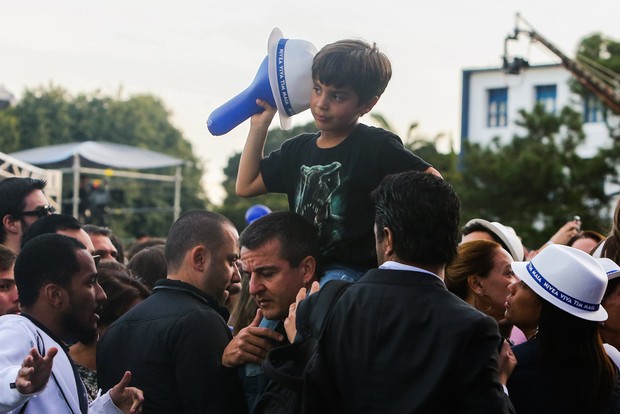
(22,202)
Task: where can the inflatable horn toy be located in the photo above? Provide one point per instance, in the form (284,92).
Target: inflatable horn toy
(284,80)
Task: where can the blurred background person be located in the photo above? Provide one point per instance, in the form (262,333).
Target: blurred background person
(610,247)
(586,240)
(610,329)
(138,246)
(149,265)
(9,301)
(102,240)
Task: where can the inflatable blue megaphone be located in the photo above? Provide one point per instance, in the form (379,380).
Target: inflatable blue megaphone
(284,80)
(242,106)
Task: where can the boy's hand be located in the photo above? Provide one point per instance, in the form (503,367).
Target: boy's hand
(263,119)
(290,323)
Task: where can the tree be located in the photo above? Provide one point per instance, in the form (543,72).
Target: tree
(9,132)
(48,116)
(537,182)
(235,207)
(600,55)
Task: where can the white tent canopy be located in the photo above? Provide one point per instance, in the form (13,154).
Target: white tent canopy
(104,158)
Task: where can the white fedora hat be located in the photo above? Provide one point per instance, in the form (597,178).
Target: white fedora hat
(290,74)
(568,278)
(506,234)
(611,268)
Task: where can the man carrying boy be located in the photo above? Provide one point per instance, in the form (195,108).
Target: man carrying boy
(328,176)
(279,254)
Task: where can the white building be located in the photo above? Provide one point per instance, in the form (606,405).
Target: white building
(491,100)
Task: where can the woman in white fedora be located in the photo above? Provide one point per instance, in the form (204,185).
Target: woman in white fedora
(563,367)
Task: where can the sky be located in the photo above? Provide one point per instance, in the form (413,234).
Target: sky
(197,54)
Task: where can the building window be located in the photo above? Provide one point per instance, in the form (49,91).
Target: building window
(497,113)
(546,95)
(592,109)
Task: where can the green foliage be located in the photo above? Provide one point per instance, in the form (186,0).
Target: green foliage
(600,56)
(49,116)
(537,182)
(9,132)
(233,206)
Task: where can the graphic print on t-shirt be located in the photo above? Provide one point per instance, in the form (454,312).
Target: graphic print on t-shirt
(314,200)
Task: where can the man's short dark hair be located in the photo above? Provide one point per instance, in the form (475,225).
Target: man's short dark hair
(48,258)
(353,63)
(297,236)
(422,210)
(98,230)
(196,227)
(13,193)
(7,258)
(50,224)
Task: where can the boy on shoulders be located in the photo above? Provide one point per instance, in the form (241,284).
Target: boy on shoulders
(328,176)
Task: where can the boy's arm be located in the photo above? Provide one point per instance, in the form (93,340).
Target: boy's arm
(249,178)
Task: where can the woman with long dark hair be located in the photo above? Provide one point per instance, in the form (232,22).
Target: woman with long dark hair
(563,367)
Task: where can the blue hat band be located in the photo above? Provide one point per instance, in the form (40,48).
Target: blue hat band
(575,303)
(284,96)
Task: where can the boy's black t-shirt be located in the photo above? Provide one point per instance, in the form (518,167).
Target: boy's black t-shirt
(331,186)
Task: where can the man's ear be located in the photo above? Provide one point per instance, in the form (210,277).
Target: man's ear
(10,224)
(55,295)
(388,240)
(199,257)
(308,267)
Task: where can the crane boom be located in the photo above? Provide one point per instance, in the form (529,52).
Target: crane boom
(608,95)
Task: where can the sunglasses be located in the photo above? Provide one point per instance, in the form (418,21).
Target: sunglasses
(39,212)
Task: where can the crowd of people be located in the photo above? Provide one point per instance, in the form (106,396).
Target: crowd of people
(436,318)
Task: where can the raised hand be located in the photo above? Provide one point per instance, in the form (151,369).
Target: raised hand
(35,371)
(290,323)
(128,399)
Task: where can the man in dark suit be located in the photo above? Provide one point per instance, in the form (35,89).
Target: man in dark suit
(398,341)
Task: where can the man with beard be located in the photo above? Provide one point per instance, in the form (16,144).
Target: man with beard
(22,202)
(59,293)
(173,340)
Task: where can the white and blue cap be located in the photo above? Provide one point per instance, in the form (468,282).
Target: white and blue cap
(568,278)
(611,268)
(290,74)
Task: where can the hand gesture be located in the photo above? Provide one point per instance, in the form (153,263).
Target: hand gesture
(290,323)
(35,371)
(506,363)
(128,399)
(568,230)
(251,344)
